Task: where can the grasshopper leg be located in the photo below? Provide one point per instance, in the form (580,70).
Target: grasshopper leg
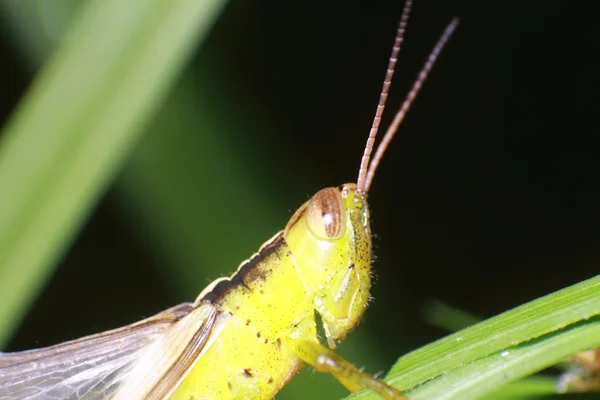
(326,360)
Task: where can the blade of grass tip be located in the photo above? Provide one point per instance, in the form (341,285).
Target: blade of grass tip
(76,125)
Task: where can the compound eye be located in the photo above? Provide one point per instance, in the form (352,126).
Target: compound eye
(325,214)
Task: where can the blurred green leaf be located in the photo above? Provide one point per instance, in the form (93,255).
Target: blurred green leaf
(73,130)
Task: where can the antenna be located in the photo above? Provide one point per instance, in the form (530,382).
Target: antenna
(410,97)
(364,162)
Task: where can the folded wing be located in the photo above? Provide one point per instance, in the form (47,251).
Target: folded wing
(90,368)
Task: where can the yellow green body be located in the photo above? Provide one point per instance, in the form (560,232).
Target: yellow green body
(267,323)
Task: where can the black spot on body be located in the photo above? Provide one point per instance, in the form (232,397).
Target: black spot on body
(248,372)
(255,274)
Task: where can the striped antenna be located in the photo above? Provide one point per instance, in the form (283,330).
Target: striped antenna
(364,162)
(410,97)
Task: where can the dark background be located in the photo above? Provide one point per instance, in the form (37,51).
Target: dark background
(488,197)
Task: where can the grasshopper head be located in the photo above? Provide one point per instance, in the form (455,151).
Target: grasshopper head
(330,240)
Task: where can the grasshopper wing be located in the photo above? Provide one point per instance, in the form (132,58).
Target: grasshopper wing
(166,362)
(90,368)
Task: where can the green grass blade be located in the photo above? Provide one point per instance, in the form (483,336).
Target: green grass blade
(487,374)
(76,125)
(479,348)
